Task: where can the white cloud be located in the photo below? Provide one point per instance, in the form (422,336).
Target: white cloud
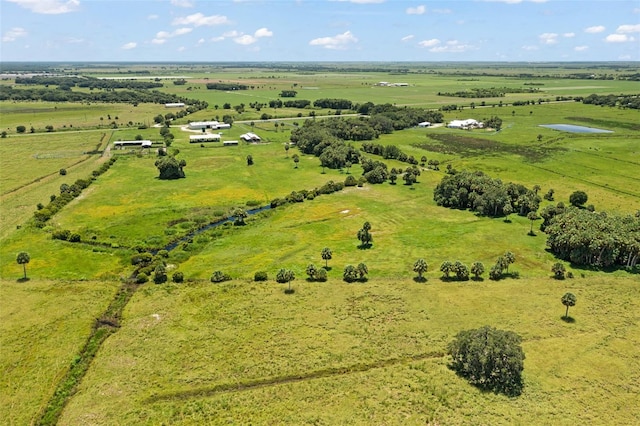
(569,35)
(595,29)
(182,3)
(232,33)
(636,10)
(217,39)
(581,48)
(263,32)
(338,42)
(163,36)
(429,43)
(627,29)
(130,45)
(362,1)
(529,47)
(49,7)
(152,17)
(201,41)
(452,46)
(198,20)
(548,38)
(418,10)
(13,34)
(181,49)
(515,1)
(407,38)
(618,38)
(245,39)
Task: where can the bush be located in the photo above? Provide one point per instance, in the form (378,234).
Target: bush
(61,234)
(321,275)
(177,277)
(219,277)
(74,238)
(490,359)
(142,278)
(260,276)
(63,172)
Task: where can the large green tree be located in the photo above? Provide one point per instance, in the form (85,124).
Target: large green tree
(23,258)
(170,168)
(364,235)
(489,358)
(578,198)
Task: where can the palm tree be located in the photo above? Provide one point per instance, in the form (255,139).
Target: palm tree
(420,267)
(23,258)
(326,256)
(569,299)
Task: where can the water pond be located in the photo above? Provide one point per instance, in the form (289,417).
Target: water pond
(574,129)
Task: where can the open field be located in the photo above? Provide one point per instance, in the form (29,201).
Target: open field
(331,353)
(245,352)
(43,325)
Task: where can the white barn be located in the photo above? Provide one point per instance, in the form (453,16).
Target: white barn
(250,137)
(205,137)
(215,125)
(229,143)
(141,143)
(469,123)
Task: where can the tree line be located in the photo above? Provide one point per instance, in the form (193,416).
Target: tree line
(493,92)
(66,83)
(119,96)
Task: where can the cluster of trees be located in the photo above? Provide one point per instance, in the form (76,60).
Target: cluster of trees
(226,86)
(459,271)
(478,192)
(115,96)
(501,266)
(388,152)
(355,273)
(490,359)
(67,193)
(493,122)
(493,92)
(591,238)
(288,94)
(625,101)
(277,103)
(299,196)
(66,83)
(333,103)
(170,168)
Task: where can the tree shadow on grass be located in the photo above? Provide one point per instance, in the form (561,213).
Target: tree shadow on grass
(478,279)
(569,320)
(327,268)
(365,246)
(289,291)
(420,279)
(23,279)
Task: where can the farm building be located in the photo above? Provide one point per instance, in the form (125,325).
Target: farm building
(230,143)
(141,143)
(469,123)
(250,137)
(206,137)
(174,105)
(215,125)
(424,124)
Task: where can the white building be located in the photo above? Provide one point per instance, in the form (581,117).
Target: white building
(424,124)
(215,125)
(205,137)
(250,137)
(469,123)
(230,143)
(141,143)
(174,105)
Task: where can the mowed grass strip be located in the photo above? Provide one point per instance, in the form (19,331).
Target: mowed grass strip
(190,353)
(43,325)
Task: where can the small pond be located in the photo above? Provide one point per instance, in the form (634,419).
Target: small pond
(574,129)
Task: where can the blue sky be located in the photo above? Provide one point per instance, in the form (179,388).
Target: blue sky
(320,30)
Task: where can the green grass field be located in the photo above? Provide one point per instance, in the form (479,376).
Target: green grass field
(331,353)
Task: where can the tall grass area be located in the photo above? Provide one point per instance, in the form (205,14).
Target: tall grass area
(371,353)
(43,324)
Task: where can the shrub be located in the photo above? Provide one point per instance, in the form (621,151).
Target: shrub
(74,238)
(63,172)
(219,277)
(260,276)
(61,234)
(177,277)
(490,359)
(142,278)
(350,181)
(321,275)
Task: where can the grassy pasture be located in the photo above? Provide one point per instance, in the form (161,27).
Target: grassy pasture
(43,324)
(246,352)
(372,353)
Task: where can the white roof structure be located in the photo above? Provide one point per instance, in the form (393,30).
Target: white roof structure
(227,143)
(463,124)
(250,137)
(208,125)
(142,143)
(205,137)
(424,124)
(174,105)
